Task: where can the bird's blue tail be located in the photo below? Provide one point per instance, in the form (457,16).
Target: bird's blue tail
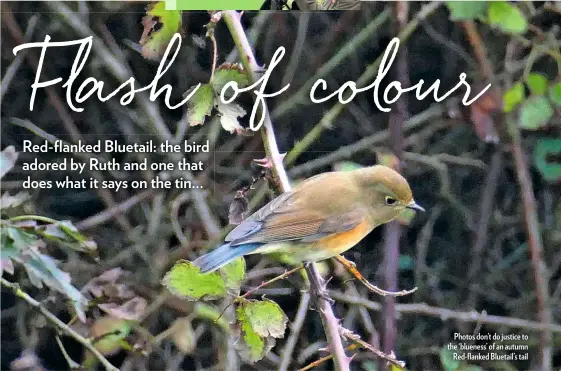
(222,256)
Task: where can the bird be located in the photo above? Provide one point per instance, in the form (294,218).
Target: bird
(318,219)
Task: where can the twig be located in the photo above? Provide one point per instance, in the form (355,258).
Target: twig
(486,208)
(71,363)
(447,314)
(275,279)
(351,267)
(115,210)
(16,63)
(392,230)
(295,100)
(60,108)
(351,336)
(541,275)
(428,115)
(327,358)
(330,322)
(58,323)
(295,329)
(330,116)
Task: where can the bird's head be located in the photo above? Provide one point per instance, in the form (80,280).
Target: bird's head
(385,191)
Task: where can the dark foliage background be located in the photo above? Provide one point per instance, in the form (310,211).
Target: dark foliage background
(469,252)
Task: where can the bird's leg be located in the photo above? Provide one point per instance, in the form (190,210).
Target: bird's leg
(318,286)
(351,268)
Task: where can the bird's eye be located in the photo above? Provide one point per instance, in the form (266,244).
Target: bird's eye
(390,201)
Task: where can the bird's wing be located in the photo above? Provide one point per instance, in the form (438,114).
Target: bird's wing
(292,224)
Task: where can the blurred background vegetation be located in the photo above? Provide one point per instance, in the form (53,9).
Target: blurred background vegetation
(486,256)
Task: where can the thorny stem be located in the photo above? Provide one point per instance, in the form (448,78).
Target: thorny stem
(58,323)
(330,322)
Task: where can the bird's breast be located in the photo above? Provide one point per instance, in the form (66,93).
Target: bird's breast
(322,249)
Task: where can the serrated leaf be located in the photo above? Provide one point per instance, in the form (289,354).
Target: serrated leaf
(229,114)
(535,113)
(108,333)
(253,347)
(447,360)
(545,150)
(186,280)
(346,166)
(65,232)
(513,96)
(229,72)
(266,317)
(233,275)
(537,83)
(507,17)
(200,104)
(42,268)
(555,94)
(8,158)
(159,27)
(466,10)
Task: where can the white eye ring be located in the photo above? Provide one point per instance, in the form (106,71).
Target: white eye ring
(390,201)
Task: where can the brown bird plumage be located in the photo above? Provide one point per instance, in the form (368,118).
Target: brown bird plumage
(320,218)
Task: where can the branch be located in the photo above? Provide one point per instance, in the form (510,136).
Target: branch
(446,314)
(295,329)
(58,323)
(541,275)
(370,72)
(330,322)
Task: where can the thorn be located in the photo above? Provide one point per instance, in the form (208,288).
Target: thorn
(266,161)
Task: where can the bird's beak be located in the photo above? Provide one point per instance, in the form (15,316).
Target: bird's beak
(414,206)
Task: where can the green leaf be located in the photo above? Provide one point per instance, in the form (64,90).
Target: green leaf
(545,150)
(466,10)
(507,17)
(535,113)
(266,317)
(229,72)
(447,360)
(200,104)
(66,233)
(186,280)
(233,274)
(346,166)
(107,334)
(229,114)
(43,269)
(513,97)
(537,84)
(255,347)
(555,94)
(8,158)
(159,27)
